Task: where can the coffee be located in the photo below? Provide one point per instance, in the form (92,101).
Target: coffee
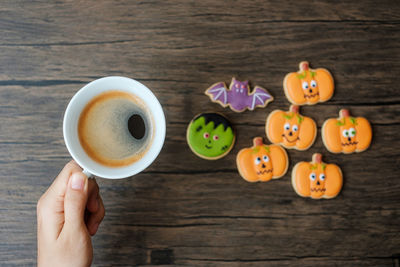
(115,129)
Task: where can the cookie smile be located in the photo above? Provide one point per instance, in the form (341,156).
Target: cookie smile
(311,96)
(289,140)
(264,172)
(318,189)
(208,147)
(350,143)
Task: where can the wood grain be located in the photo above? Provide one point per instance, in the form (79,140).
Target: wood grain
(183,210)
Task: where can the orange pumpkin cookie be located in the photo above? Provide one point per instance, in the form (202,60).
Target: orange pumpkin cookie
(317,179)
(291,129)
(346,134)
(262,162)
(308,86)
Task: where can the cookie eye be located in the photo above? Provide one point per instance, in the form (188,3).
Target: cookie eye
(295,128)
(257,160)
(215,137)
(237,85)
(322,176)
(265,158)
(352,132)
(313,84)
(242,86)
(305,85)
(206,135)
(286,126)
(312,176)
(345,133)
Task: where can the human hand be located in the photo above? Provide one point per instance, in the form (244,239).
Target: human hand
(68,213)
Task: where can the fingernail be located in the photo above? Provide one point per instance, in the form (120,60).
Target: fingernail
(94,228)
(77,181)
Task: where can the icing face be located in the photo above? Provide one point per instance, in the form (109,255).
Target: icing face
(291,129)
(238,96)
(308,86)
(239,88)
(210,135)
(261,162)
(317,179)
(346,134)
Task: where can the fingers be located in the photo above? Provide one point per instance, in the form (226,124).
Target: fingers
(95,207)
(96,218)
(75,202)
(59,185)
(93,195)
(50,207)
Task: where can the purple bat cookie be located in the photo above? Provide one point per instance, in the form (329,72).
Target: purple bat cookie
(238,96)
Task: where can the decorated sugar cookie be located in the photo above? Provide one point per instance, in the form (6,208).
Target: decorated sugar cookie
(238,96)
(210,136)
(317,179)
(346,134)
(262,162)
(308,86)
(291,129)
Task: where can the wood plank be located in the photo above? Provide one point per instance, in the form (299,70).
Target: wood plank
(177,66)
(66,22)
(312,261)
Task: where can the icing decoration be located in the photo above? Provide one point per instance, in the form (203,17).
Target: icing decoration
(262,162)
(291,129)
(210,136)
(346,134)
(238,96)
(308,86)
(317,179)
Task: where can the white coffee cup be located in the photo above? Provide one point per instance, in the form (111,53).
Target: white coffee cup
(82,98)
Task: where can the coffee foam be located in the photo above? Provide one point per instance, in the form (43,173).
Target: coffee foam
(103,129)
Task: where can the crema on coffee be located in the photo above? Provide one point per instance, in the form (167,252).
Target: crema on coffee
(115,128)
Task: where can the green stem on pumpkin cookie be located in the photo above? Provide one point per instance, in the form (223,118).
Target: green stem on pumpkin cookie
(343,113)
(288,117)
(299,118)
(304,67)
(353,120)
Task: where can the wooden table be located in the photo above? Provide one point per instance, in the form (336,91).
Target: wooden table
(184,210)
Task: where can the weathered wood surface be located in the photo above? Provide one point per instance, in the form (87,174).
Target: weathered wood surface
(184,210)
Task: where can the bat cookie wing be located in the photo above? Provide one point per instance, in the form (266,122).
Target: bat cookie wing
(218,92)
(259,98)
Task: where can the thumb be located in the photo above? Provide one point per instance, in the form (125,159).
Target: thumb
(75,201)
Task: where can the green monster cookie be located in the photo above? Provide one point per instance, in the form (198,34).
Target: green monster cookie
(210,136)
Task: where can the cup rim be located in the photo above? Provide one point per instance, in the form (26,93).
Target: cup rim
(154,108)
